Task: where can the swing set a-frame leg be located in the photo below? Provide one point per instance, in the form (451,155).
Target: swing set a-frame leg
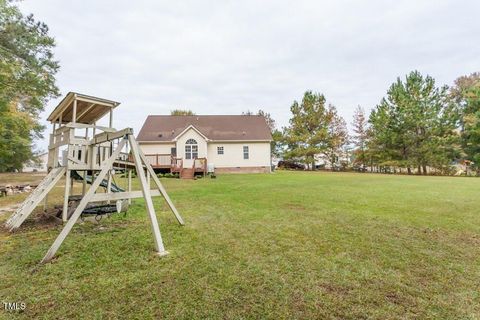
(160,187)
(148,197)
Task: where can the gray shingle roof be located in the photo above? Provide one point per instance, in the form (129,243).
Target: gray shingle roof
(214,127)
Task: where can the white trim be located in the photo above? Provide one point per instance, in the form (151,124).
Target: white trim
(185,131)
(157,142)
(239,141)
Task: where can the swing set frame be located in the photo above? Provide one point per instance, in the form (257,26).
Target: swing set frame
(99,153)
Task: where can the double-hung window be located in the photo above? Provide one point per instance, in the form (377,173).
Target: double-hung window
(220,150)
(245,153)
(191,149)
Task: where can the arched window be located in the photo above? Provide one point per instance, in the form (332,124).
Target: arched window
(191,149)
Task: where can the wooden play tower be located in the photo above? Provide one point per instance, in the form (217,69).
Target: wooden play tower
(80,148)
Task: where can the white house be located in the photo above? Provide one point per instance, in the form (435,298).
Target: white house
(238,143)
(39,165)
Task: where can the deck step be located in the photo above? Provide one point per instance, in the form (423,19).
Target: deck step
(187,173)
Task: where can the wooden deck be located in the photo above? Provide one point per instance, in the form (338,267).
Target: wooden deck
(175,164)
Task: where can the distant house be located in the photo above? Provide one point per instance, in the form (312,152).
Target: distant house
(40,165)
(236,143)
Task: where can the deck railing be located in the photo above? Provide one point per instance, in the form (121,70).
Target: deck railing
(200,165)
(158,160)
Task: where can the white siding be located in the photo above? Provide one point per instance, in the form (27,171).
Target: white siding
(202,146)
(154,148)
(259,154)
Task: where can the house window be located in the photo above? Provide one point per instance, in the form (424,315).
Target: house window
(191,149)
(245,152)
(220,150)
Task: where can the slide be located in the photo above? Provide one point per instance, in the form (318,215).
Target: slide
(89,179)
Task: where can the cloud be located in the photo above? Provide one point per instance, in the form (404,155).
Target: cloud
(225,57)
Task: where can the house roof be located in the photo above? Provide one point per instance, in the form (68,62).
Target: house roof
(89,108)
(214,127)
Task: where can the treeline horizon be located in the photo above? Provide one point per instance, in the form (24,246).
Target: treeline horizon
(417,127)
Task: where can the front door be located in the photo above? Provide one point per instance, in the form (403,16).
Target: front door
(191,152)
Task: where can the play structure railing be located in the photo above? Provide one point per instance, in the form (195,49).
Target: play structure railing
(93,158)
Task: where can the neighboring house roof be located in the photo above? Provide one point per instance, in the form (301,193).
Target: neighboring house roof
(217,128)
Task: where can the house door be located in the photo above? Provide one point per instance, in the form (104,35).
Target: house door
(191,152)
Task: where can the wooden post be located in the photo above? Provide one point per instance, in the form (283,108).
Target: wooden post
(83,203)
(148,179)
(109,182)
(129,184)
(84,182)
(85,156)
(146,194)
(111,118)
(74,114)
(159,185)
(66,195)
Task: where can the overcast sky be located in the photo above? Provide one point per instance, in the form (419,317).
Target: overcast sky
(225,57)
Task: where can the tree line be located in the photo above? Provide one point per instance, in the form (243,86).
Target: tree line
(418,127)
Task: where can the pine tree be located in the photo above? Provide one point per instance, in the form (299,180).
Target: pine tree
(307,135)
(466,93)
(359,138)
(414,125)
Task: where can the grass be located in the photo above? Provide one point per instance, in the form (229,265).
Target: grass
(285,245)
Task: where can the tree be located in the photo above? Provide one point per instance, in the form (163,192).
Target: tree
(308,132)
(466,93)
(337,137)
(360,136)
(414,125)
(27,82)
(268,119)
(181,112)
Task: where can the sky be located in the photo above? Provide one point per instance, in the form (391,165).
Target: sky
(225,57)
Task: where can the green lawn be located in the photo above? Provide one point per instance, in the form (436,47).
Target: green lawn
(285,245)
